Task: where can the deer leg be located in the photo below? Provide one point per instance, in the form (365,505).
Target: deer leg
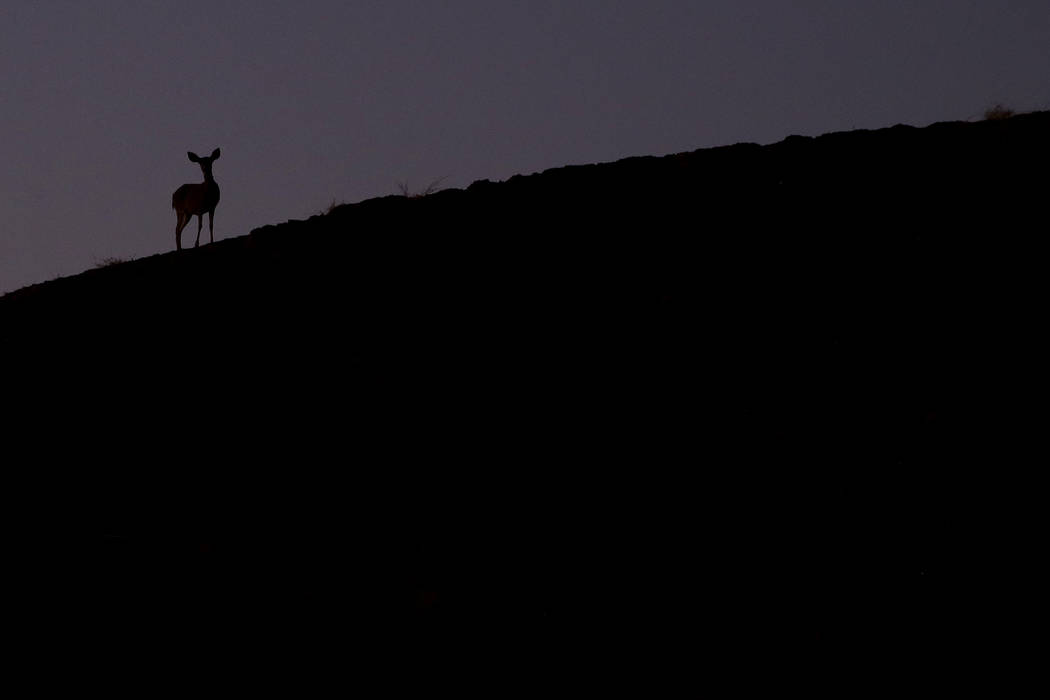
(200,223)
(211,226)
(180,223)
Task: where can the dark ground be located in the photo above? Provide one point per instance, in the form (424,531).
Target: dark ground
(752,395)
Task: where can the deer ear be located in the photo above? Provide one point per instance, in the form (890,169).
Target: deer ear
(193,156)
(215,154)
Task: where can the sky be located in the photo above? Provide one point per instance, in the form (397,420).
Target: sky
(318,101)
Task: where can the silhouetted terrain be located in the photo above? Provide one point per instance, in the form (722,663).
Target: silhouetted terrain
(743,389)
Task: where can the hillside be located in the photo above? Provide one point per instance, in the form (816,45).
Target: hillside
(750,359)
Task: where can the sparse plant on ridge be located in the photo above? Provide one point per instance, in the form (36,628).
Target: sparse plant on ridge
(330,208)
(430,189)
(106,262)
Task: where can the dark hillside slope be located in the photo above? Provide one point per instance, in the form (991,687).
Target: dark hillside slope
(760,359)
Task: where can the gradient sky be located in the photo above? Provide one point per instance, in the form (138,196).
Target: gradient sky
(315,101)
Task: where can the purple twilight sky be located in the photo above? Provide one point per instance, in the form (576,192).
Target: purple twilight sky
(315,101)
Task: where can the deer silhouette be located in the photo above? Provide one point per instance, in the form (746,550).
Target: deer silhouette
(195,199)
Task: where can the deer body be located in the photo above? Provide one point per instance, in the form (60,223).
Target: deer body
(195,199)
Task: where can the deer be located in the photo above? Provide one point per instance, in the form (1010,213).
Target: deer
(195,199)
